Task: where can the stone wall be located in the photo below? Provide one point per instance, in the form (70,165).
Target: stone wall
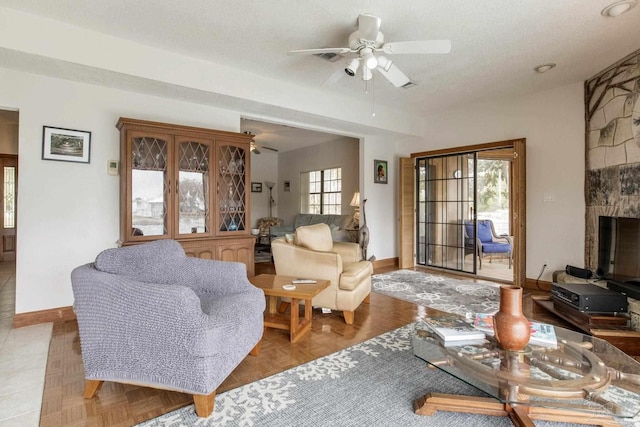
(612,173)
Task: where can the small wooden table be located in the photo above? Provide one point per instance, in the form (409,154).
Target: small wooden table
(272,285)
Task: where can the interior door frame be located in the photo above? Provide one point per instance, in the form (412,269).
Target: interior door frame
(10,240)
(517,200)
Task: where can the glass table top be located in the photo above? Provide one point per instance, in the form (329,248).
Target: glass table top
(581,373)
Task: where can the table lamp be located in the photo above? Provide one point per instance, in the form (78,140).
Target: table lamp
(355,202)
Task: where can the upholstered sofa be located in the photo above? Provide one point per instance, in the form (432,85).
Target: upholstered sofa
(337,224)
(151,316)
(313,254)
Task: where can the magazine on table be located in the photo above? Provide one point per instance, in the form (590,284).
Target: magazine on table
(453,330)
(542,334)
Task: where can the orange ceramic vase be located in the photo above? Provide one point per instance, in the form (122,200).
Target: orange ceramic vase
(511,327)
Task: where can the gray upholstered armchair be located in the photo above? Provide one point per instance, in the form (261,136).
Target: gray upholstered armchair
(151,316)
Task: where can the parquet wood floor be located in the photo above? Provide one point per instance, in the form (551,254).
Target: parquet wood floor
(126,405)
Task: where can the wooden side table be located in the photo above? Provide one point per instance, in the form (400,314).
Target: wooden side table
(272,285)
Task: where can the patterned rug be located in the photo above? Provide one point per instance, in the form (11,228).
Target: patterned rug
(439,292)
(370,384)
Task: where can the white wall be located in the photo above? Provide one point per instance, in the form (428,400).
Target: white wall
(264,168)
(68,212)
(382,199)
(343,153)
(553,124)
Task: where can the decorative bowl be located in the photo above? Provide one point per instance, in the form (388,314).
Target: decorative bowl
(255,231)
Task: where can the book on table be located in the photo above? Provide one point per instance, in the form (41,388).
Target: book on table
(542,334)
(453,330)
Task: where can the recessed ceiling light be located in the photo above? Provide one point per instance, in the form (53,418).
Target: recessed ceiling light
(544,68)
(618,8)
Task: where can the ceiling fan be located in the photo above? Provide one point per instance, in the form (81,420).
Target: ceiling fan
(255,147)
(367,44)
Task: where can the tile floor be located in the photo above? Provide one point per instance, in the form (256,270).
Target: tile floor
(23,359)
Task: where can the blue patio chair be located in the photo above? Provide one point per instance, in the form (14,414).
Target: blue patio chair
(487,241)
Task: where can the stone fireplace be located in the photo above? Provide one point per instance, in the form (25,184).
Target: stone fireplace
(612,173)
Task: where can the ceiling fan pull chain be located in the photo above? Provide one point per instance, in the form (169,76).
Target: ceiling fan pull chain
(373,97)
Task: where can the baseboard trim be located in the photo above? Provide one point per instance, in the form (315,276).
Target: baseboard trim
(387,262)
(43,316)
(538,285)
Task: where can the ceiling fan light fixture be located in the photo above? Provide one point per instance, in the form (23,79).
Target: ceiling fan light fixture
(352,67)
(618,8)
(367,74)
(370,61)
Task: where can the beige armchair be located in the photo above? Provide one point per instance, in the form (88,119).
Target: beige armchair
(313,254)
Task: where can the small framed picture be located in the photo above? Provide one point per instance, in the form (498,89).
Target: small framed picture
(380,171)
(256,187)
(67,145)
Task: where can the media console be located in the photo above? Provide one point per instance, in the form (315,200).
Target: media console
(612,328)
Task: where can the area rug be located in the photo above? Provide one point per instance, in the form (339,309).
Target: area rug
(439,292)
(369,384)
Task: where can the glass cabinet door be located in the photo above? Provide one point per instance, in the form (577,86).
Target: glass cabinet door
(232,194)
(194,186)
(149,185)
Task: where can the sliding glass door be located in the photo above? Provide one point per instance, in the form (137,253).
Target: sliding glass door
(445,211)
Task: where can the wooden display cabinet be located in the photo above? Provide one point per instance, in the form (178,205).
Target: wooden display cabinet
(189,184)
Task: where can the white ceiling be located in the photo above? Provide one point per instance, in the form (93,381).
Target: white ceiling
(496,43)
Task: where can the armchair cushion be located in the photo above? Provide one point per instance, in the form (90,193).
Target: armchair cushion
(316,237)
(484,232)
(140,260)
(496,247)
(354,273)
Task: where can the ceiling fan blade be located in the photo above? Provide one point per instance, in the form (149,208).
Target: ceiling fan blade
(368,26)
(395,76)
(417,47)
(319,51)
(269,148)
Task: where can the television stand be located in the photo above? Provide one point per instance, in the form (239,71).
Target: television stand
(614,329)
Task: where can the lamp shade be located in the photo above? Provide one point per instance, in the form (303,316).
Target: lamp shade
(356,199)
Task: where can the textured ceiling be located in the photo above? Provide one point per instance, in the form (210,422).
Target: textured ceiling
(496,43)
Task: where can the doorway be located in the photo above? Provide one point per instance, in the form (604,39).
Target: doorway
(8,223)
(461,195)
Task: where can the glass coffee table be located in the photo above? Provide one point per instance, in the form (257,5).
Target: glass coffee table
(583,380)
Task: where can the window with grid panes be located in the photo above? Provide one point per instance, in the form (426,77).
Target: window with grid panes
(325,191)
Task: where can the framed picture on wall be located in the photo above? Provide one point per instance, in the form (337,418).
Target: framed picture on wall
(380,171)
(256,187)
(67,145)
